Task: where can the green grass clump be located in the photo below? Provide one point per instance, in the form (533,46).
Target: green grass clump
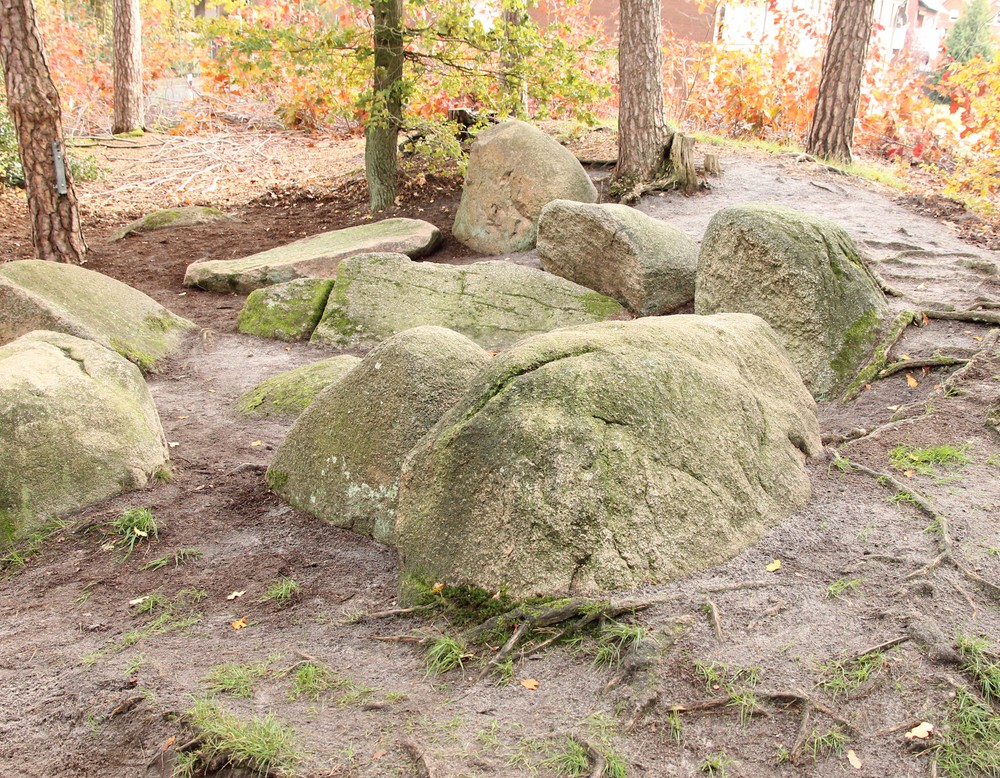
(841,587)
(181,556)
(715,764)
(843,676)
(980,665)
(235,679)
(969,740)
(445,653)
(261,745)
(17,556)
(282,590)
(616,641)
(736,683)
(821,744)
(134,526)
(926,460)
(570,758)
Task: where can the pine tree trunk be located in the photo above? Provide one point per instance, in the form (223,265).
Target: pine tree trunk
(128,113)
(34,107)
(514,86)
(831,133)
(642,128)
(382,132)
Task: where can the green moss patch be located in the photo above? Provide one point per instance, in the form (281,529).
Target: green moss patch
(288,311)
(288,394)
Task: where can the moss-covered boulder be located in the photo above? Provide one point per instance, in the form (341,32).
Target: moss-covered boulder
(314,257)
(805,277)
(291,392)
(341,459)
(646,264)
(288,311)
(514,170)
(37,295)
(77,425)
(609,456)
(188,216)
(493,303)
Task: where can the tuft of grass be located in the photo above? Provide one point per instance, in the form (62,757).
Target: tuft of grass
(993,460)
(262,745)
(980,665)
(134,665)
(843,676)
(309,681)
(180,557)
(134,526)
(153,602)
(17,556)
(736,683)
(234,678)
(715,764)
(569,758)
(926,460)
(969,740)
(823,744)
(616,641)
(445,653)
(282,590)
(841,587)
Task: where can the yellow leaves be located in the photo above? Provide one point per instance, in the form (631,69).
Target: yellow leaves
(530,684)
(773,567)
(437,588)
(853,759)
(911,381)
(235,595)
(138,600)
(922,731)
(239,624)
(256,443)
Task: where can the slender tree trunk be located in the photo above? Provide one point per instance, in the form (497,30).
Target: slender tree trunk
(514,85)
(34,106)
(642,127)
(831,133)
(382,132)
(128,113)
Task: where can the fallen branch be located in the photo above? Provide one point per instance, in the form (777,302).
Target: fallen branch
(880,355)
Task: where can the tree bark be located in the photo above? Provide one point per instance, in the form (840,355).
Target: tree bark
(34,107)
(128,113)
(831,133)
(514,86)
(382,131)
(642,127)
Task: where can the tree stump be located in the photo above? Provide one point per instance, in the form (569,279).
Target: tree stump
(682,161)
(712,166)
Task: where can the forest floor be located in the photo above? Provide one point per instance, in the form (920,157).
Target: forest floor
(820,668)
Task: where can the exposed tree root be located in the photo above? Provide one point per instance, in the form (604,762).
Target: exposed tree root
(880,355)
(416,753)
(939,526)
(975,317)
(912,364)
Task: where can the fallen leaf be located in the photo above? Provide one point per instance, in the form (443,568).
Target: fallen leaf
(234,595)
(977,337)
(905,358)
(922,731)
(911,381)
(893,407)
(437,588)
(379,754)
(926,320)
(529,683)
(774,566)
(909,473)
(853,759)
(139,600)
(240,623)
(169,742)
(256,443)
(212,391)
(182,417)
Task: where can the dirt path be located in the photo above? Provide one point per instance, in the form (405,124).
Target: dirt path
(88,689)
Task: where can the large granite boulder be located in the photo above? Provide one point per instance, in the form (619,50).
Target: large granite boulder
(514,170)
(646,264)
(188,216)
(805,277)
(341,459)
(609,456)
(291,392)
(493,303)
(37,295)
(288,311)
(314,257)
(78,425)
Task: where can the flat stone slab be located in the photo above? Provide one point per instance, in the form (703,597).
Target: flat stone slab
(188,216)
(314,257)
(493,303)
(37,295)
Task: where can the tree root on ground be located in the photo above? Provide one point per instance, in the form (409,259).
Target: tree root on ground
(918,362)
(880,356)
(940,524)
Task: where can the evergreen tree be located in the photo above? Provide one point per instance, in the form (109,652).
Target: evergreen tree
(970,37)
